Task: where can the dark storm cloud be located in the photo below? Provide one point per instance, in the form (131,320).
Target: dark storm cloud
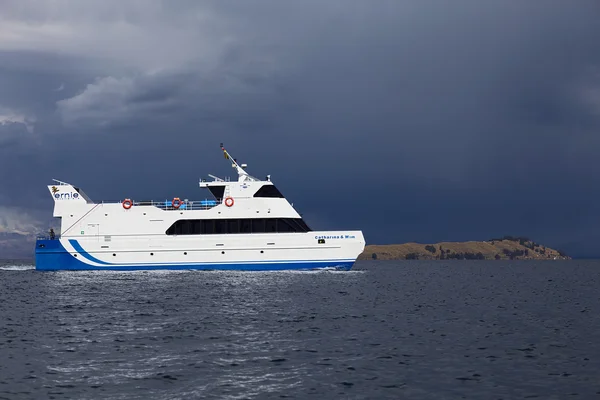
(411,120)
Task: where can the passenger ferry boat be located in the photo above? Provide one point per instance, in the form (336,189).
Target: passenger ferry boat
(246,225)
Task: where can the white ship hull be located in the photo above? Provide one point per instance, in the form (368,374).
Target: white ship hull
(242,252)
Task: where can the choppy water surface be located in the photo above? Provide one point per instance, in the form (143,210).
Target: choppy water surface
(413,330)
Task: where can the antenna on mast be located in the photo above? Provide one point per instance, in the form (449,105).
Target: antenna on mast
(242,174)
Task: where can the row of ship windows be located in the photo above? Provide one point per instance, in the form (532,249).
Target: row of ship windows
(242,225)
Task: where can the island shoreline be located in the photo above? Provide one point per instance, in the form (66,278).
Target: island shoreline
(505,248)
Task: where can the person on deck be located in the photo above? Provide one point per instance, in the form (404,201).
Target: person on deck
(51,234)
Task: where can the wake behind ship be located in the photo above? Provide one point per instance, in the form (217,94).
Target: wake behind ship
(246,225)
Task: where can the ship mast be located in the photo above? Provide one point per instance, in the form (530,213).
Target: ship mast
(242,174)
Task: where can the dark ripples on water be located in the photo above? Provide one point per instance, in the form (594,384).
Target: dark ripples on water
(413,330)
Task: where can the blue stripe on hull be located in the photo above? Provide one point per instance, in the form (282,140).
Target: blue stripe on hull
(84,253)
(54,257)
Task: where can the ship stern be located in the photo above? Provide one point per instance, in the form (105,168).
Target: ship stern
(48,254)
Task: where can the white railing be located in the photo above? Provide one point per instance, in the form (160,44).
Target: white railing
(47,237)
(205,204)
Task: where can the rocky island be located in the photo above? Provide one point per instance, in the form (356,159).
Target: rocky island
(506,248)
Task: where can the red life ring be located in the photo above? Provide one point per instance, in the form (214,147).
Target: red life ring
(176,203)
(229,201)
(127,204)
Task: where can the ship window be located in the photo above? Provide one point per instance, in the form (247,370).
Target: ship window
(196,226)
(284,226)
(301,225)
(221,226)
(235,226)
(271,225)
(217,191)
(185,228)
(208,226)
(246,226)
(258,225)
(294,226)
(268,191)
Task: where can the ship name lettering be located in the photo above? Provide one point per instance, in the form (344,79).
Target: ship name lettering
(63,196)
(335,237)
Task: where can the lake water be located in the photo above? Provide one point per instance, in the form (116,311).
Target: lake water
(386,330)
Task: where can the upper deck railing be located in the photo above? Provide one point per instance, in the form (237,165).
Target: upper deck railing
(47,237)
(167,205)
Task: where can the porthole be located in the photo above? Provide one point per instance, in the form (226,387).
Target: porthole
(151,254)
(222,252)
(75,255)
(185,253)
(114,254)
(261,251)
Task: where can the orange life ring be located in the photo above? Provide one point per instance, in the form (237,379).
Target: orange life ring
(176,203)
(127,204)
(229,201)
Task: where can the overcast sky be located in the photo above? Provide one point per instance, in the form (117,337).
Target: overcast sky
(411,120)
